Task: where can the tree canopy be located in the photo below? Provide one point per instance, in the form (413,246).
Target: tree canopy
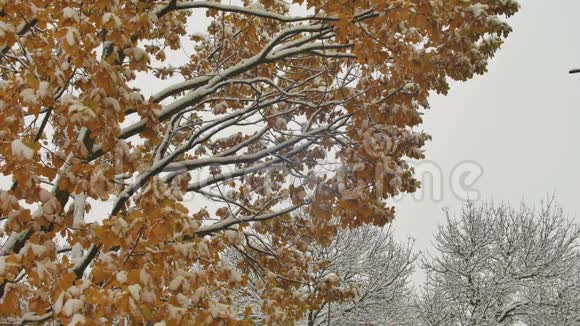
(498,265)
(288,121)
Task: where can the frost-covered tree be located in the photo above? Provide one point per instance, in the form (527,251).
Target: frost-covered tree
(378,267)
(143,138)
(563,295)
(366,267)
(496,265)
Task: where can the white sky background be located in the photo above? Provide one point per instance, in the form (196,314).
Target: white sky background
(520,122)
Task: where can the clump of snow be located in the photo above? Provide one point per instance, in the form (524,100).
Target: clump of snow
(183,300)
(79,210)
(71,36)
(20,150)
(176,283)
(58,304)
(49,207)
(4,265)
(135,97)
(495,20)
(5,29)
(72,306)
(44,195)
(219,310)
(409,86)
(234,236)
(112,102)
(37,250)
(77,290)
(331,279)
(200,293)
(137,53)
(203,249)
(80,113)
(220,108)
(43,89)
(235,276)
(7,200)
(70,13)
(175,312)
(184,249)
(144,277)
(478,9)
(42,268)
(76,253)
(121,277)
(135,291)
(76,320)
(280,123)
(29,96)
(107,17)
(148,296)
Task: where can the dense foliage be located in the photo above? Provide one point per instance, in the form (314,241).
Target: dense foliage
(279,129)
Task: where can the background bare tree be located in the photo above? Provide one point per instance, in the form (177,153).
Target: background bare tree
(367,266)
(371,260)
(496,265)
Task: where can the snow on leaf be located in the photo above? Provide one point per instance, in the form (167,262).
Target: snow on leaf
(110,17)
(44,89)
(176,283)
(220,108)
(5,29)
(137,53)
(58,304)
(144,277)
(175,312)
(77,319)
(135,291)
(235,276)
(29,96)
(80,113)
(121,277)
(21,151)
(69,13)
(72,306)
(112,102)
(203,249)
(478,9)
(72,35)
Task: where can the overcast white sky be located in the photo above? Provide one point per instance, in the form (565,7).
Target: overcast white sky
(519,122)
